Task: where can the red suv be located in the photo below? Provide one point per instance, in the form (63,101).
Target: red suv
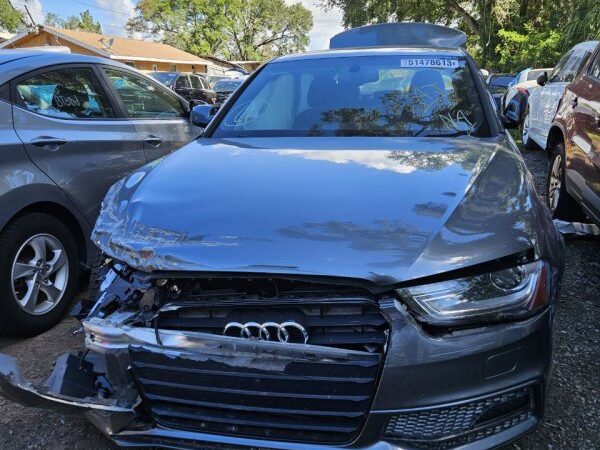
(573,185)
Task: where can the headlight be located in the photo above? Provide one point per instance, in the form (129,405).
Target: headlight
(511,293)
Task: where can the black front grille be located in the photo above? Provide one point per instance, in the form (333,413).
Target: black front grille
(348,323)
(441,428)
(309,399)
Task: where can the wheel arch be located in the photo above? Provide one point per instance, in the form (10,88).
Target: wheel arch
(555,135)
(44,199)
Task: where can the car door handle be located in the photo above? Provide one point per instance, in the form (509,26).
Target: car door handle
(154,141)
(48,142)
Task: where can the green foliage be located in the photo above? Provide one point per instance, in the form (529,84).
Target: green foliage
(235,29)
(266,28)
(585,24)
(533,48)
(84,22)
(10,18)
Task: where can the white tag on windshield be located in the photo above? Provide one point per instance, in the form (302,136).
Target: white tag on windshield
(439,63)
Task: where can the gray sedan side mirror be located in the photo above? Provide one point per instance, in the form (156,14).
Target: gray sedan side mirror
(201,115)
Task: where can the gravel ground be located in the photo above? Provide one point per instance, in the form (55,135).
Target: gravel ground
(573,410)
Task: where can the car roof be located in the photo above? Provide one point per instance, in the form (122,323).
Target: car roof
(372,51)
(16,62)
(587,45)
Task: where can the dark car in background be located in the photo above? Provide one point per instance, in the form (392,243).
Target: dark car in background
(225,87)
(514,102)
(574,145)
(192,87)
(71,126)
(498,85)
(337,262)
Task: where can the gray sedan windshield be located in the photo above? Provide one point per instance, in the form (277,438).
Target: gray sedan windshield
(408,95)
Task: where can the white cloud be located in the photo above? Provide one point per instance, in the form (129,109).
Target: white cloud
(326,23)
(117,12)
(34,7)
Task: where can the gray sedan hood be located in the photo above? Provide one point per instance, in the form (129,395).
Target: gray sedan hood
(380,209)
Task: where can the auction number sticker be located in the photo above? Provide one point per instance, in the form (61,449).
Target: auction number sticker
(440,63)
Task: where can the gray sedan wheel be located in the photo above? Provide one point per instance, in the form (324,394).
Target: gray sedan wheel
(39,268)
(40,272)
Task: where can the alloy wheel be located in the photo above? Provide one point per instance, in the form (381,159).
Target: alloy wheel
(40,274)
(555,183)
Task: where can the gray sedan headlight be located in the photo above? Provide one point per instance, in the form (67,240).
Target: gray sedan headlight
(511,293)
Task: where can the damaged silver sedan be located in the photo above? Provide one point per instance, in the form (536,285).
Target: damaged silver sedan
(351,255)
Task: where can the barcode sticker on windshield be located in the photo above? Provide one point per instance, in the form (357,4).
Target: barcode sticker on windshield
(440,63)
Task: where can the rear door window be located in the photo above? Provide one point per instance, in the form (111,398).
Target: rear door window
(183,82)
(143,99)
(73,93)
(595,66)
(195,82)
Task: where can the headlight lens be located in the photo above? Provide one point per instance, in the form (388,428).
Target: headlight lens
(510,293)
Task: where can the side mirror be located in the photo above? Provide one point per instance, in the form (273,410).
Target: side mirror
(194,103)
(201,115)
(542,79)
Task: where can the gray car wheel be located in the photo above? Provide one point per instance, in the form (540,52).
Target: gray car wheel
(528,143)
(39,268)
(560,203)
(40,272)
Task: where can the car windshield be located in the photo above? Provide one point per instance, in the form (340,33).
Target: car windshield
(227,85)
(164,78)
(501,80)
(409,95)
(534,74)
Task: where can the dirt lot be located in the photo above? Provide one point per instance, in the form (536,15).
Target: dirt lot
(573,411)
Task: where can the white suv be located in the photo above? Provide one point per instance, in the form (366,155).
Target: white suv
(543,102)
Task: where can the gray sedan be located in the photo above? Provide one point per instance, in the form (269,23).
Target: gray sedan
(71,126)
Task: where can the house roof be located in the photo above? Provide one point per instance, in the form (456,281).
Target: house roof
(119,48)
(124,48)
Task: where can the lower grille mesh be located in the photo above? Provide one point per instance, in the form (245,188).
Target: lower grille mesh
(307,401)
(447,427)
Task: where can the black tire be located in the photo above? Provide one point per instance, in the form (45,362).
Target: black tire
(528,143)
(561,205)
(14,319)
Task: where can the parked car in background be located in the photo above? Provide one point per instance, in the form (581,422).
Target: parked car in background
(498,85)
(212,79)
(574,146)
(224,88)
(71,126)
(514,102)
(192,87)
(334,263)
(544,101)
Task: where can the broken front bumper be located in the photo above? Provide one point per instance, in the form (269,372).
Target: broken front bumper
(475,389)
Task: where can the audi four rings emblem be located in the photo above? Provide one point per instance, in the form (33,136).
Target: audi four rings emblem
(285,332)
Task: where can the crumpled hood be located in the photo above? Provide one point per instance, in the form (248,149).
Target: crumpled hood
(381,209)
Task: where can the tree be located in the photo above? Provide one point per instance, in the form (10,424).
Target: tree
(54,20)
(196,26)
(585,23)
(11,20)
(237,29)
(84,22)
(267,28)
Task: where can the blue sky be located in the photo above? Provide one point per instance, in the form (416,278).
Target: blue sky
(113,15)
